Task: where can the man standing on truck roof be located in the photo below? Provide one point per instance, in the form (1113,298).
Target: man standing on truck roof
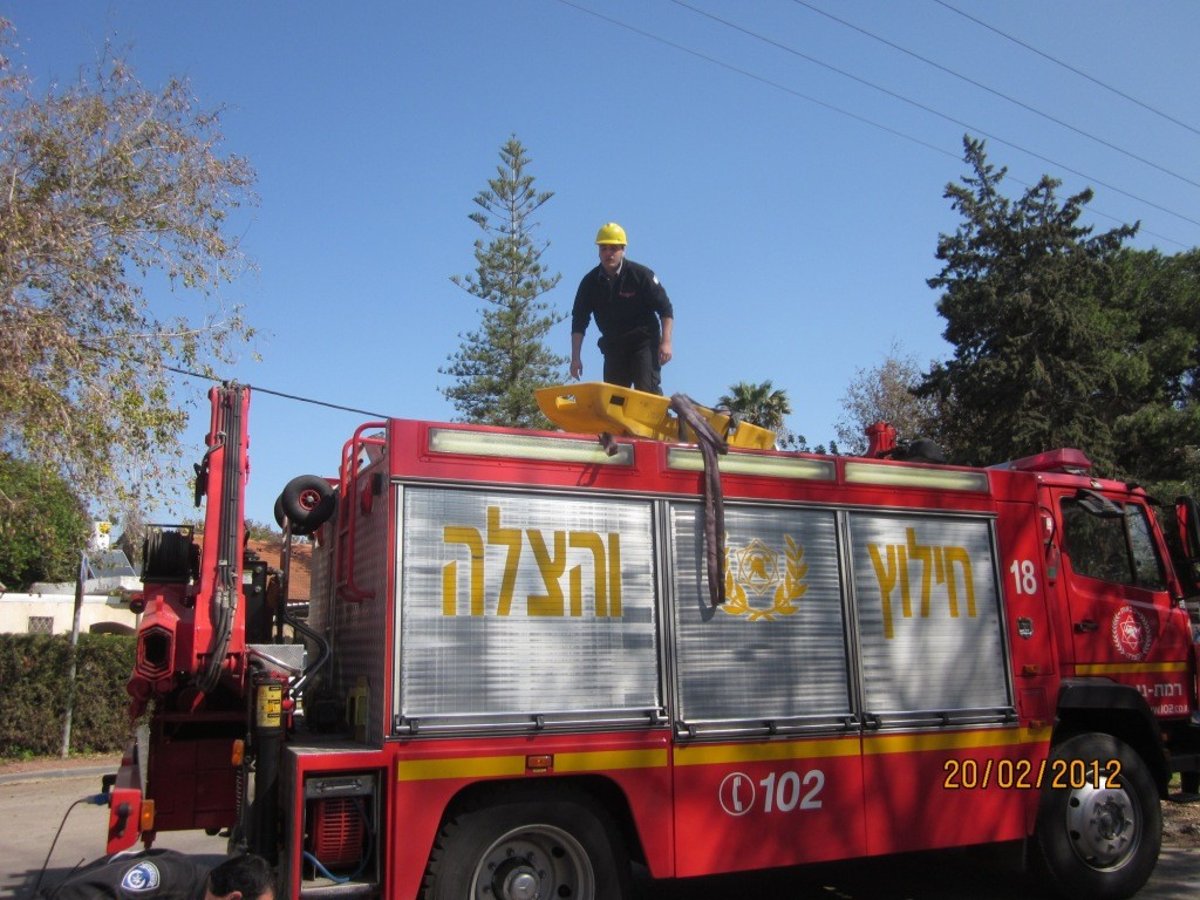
(628,303)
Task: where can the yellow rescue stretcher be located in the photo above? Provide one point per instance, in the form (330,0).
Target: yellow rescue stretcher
(593,407)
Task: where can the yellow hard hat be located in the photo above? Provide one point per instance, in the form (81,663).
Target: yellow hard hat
(611,233)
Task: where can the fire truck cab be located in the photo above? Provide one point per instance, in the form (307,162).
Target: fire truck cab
(532,657)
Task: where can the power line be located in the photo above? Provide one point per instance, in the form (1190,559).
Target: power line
(263,390)
(872,123)
(896,96)
(990,90)
(203,376)
(758,78)
(1067,66)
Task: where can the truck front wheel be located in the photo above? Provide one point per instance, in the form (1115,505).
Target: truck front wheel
(1100,824)
(528,849)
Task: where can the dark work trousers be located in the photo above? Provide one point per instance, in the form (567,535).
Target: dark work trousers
(634,364)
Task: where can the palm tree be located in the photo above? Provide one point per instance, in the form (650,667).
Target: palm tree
(758,404)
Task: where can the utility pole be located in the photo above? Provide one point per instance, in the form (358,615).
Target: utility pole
(79,581)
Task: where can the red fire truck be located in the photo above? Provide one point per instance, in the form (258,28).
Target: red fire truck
(530,658)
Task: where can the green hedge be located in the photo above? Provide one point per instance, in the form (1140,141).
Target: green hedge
(33,693)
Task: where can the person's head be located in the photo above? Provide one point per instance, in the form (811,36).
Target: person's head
(610,240)
(245,877)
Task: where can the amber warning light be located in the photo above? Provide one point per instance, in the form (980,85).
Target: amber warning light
(539,764)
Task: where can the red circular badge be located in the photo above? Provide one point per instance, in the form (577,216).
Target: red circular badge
(1131,633)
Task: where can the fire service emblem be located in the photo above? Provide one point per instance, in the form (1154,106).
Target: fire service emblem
(1131,633)
(759,571)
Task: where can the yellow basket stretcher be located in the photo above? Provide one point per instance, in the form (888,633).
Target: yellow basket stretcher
(593,407)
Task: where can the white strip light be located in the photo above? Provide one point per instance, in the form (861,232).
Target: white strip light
(902,476)
(749,464)
(475,443)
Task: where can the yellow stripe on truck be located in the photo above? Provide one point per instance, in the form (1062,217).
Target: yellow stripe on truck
(605,760)
(954,740)
(1128,668)
(705,755)
(766,752)
(512,766)
(466,767)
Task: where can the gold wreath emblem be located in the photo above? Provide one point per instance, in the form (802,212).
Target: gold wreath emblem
(790,588)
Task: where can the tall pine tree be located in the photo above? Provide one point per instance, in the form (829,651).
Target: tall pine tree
(498,366)
(1026,295)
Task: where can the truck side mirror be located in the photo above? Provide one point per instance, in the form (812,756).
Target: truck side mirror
(1187,516)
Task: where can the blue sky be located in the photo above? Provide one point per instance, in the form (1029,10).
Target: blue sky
(793,237)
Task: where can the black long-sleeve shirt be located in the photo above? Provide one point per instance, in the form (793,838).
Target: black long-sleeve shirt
(627,308)
(162,874)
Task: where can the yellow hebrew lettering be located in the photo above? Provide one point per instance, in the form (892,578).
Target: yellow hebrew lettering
(886,576)
(463,534)
(589,540)
(575,577)
(959,555)
(551,569)
(924,554)
(905,590)
(939,556)
(510,538)
(939,571)
(614,577)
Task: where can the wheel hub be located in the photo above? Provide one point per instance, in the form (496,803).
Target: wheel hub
(516,879)
(1103,826)
(535,862)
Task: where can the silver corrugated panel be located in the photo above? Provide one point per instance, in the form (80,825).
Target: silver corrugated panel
(361,643)
(515,604)
(928,614)
(777,648)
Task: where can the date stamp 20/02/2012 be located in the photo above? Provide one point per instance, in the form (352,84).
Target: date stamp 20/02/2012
(1024,774)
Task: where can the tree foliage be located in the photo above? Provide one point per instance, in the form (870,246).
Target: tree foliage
(131,542)
(886,393)
(760,404)
(112,196)
(764,405)
(1064,338)
(43,525)
(498,366)
(1156,411)
(262,531)
(1027,299)
(34,670)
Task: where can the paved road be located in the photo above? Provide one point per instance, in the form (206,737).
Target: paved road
(30,813)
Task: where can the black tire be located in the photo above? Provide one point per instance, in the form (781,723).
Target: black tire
(308,501)
(280,518)
(542,846)
(1094,840)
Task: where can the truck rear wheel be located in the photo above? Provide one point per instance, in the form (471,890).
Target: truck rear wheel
(529,849)
(1100,824)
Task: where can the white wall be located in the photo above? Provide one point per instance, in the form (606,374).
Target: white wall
(16,610)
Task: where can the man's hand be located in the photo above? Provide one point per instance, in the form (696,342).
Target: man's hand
(664,351)
(576,354)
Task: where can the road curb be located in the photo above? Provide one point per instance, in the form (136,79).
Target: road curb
(49,774)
